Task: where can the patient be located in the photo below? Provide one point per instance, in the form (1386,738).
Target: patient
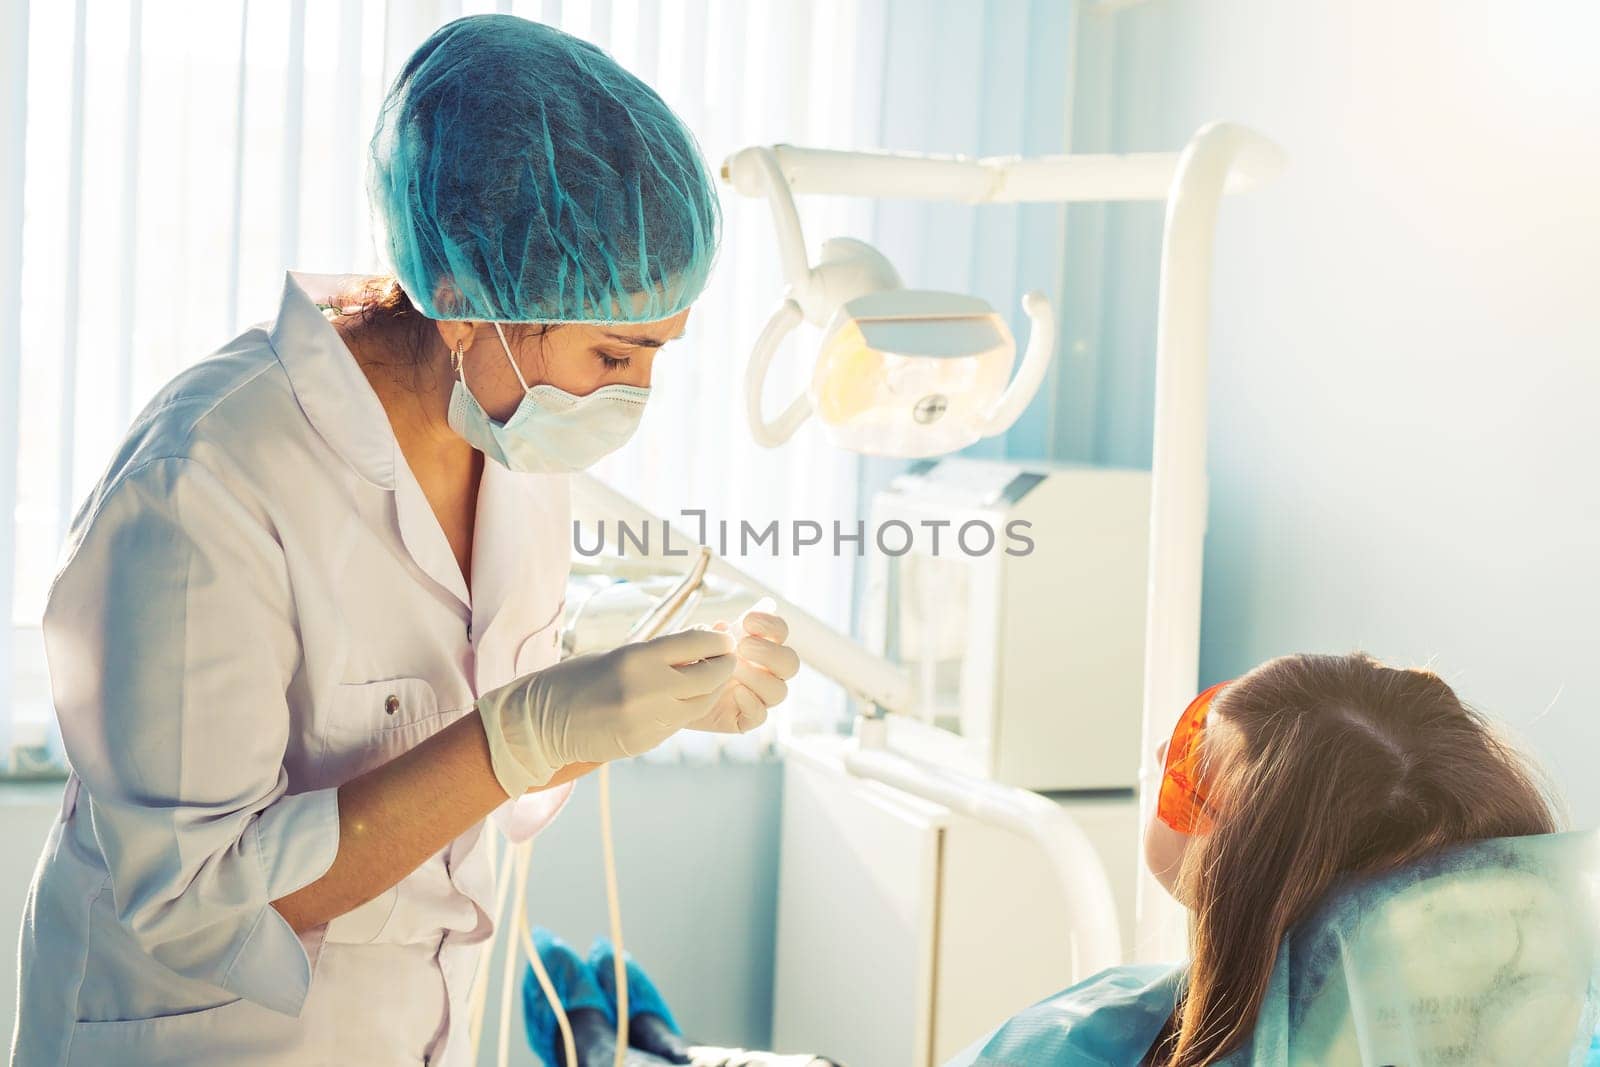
(1331,792)
(1311,768)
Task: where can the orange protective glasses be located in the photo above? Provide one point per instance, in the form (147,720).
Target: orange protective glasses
(1182,802)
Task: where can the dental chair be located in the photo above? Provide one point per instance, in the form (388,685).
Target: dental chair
(1486,955)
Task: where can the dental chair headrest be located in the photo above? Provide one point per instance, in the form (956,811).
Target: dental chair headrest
(1487,954)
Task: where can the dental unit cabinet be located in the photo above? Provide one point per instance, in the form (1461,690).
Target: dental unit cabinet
(1020,623)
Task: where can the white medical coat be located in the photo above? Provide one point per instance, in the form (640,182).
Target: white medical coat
(256,604)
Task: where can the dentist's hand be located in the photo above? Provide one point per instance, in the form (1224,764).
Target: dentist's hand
(603,706)
(760,681)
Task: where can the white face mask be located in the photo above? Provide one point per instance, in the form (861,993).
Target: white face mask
(552,431)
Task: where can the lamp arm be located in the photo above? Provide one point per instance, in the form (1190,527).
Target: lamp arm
(1035,362)
(774,433)
(785,216)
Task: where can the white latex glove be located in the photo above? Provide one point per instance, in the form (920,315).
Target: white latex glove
(760,681)
(602,706)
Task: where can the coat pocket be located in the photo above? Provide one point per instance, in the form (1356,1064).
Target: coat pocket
(193,1037)
(370,723)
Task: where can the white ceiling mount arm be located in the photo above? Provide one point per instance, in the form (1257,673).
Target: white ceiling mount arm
(1035,363)
(774,433)
(1054,179)
(756,172)
(1178,490)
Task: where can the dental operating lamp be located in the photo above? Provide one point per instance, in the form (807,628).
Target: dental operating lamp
(921,372)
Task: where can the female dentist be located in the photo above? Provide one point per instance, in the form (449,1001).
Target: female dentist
(304,637)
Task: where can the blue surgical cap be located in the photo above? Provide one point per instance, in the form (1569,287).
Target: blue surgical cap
(519,174)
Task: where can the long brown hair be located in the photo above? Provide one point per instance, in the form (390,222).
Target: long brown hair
(1343,766)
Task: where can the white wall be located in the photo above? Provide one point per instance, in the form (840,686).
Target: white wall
(1406,343)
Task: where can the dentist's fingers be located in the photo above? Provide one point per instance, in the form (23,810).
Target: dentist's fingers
(765,624)
(752,710)
(690,710)
(781,660)
(703,678)
(765,685)
(688,646)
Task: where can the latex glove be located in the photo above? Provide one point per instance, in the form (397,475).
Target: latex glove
(603,706)
(760,680)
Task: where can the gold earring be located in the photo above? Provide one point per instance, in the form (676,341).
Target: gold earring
(455,357)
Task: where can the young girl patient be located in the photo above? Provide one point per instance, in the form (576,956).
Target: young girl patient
(1322,790)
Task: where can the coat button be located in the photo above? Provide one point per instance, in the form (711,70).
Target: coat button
(391,704)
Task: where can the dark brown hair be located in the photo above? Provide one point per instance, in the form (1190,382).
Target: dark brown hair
(380,309)
(1344,767)
(388,322)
